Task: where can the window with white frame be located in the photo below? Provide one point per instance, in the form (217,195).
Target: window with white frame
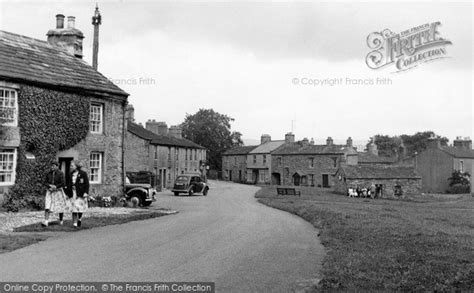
(8,107)
(95,167)
(96,118)
(461,166)
(7,166)
(264,159)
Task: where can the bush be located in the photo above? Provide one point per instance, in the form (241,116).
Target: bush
(459,189)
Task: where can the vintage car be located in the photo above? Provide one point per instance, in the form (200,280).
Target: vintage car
(144,192)
(190,184)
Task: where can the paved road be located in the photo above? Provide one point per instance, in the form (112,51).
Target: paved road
(226,237)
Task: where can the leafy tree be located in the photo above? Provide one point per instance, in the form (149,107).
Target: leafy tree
(459,178)
(417,142)
(387,146)
(213,131)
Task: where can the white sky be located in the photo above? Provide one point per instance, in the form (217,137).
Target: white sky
(240,58)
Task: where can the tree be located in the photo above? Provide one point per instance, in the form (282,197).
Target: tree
(387,146)
(459,178)
(211,130)
(417,142)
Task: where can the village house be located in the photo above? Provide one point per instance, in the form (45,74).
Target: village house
(305,164)
(259,161)
(162,151)
(389,181)
(436,163)
(234,163)
(54,106)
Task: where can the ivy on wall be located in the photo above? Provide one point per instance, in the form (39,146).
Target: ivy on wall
(49,121)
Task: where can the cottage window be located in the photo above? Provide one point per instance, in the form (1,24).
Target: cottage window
(311,179)
(96,118)
(235,160)
(262,175)
(334,160)
(7,166)
(279,161)
(156,152)
(195,155)
(95,167)
(176,154)
(169,154)
(264,159)
(255,159)
(8,107)
(311,162)
(461,166)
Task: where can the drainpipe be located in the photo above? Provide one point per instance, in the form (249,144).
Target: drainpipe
(124,126)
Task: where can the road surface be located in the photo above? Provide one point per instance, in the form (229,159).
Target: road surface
(227,237)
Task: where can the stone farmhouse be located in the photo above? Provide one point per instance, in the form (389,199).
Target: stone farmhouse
(437,163)
(162,151)
(234,163)
(259,160)
(56,107)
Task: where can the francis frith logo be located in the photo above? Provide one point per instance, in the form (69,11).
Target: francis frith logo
(407,49)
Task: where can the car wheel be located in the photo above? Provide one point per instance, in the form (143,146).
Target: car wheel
(176,193)
(205,191)
(191,192)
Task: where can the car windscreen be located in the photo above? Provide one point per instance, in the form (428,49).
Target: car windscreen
(182,179)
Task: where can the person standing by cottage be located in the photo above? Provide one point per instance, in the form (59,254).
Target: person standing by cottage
(55,199)
(78,190)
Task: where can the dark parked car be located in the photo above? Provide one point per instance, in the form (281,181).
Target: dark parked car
(190,184)
(144,192)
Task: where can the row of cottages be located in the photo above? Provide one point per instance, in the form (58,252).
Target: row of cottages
(162,151)
(303,163)
(54,106)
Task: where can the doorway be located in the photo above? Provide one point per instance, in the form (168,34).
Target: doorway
(276,179)
(65,167)
(296,179)
(325,180)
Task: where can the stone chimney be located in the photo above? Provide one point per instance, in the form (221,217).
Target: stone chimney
(152,126)
(372,148)
(265,138)
(329,141)
(96,22)
(463,143)
(305,141)
(69,39)
(130,113)
(176,131)
(433,143)
(289,137)
(349,142)
(312,141)
(162,128)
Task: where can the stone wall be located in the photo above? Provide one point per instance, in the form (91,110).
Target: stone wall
(136,153)
(409,186)
(434,167)
(233,165)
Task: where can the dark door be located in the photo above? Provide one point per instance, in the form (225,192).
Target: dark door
(325,180)
(276,179)
(230,175)
(296,180)
(65,167)
(240,175)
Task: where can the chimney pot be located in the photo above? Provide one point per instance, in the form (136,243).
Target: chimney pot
(71,21)
(59,21)
(329,141)
(265,138)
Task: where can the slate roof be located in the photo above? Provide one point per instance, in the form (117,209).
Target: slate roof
(299,149)
(267,147)
(242,150)
(369,158)
(156,139)
(379,172)
(31,60)
(458,152)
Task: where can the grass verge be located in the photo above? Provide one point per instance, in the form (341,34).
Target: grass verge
(423,243)
(10,241)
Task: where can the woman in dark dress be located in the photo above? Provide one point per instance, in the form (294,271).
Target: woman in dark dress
(78,190)
(55,200)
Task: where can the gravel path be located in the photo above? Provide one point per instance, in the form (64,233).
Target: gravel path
(9,221)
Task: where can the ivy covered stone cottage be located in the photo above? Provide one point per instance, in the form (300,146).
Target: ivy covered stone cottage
(54,106)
